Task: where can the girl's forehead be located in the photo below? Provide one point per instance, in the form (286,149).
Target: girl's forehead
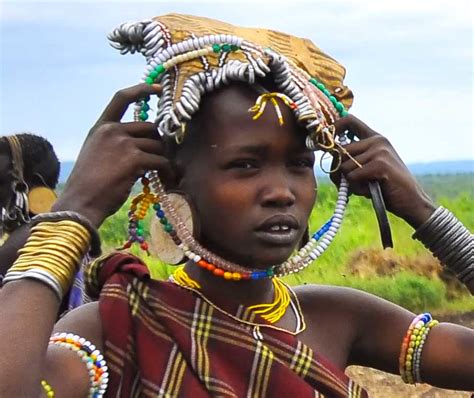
(225,116)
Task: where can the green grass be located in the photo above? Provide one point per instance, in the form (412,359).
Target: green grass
(412,286)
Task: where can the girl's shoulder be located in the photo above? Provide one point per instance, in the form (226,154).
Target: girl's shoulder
(353,319)
(347,301)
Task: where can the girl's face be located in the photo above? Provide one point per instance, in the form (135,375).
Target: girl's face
(251,182)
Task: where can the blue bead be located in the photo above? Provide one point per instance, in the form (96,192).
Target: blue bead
(160,213)
(426,317)
(254,275)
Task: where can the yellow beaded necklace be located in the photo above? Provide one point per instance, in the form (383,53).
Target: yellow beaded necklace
(271,312)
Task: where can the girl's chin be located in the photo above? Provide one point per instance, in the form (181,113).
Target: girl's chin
(261,261)
(260,258)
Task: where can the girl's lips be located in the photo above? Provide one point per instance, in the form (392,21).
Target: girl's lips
(287,220)
(277,238)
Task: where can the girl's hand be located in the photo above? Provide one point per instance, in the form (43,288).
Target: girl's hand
(113,157)
(402,193)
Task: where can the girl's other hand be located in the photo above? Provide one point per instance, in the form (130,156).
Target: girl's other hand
(402,193)
(113,157)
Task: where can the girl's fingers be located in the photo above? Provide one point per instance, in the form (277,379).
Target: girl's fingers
(350,164)
(355,127)
(117,107)
(160,163)
(149,145)
(141,129)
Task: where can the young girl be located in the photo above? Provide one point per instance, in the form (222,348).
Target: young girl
(233,191)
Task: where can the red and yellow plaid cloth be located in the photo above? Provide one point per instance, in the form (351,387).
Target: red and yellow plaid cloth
(164,341)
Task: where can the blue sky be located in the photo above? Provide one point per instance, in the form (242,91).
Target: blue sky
(409,63)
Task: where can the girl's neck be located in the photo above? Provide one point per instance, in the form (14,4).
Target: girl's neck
(245,292)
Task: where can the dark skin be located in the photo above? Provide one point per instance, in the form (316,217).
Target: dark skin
(234,190)
(17,237)
(6,179)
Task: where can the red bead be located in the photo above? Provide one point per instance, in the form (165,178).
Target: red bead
(127,245)
(144,246)
(246,275)
(202,263)
(218,272)
(211,267)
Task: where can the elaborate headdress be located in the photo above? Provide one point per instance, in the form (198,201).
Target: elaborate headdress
(190,56)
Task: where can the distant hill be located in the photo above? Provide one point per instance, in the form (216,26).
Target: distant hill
(445,167)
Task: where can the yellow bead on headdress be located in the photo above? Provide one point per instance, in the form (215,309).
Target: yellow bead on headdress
(261,103)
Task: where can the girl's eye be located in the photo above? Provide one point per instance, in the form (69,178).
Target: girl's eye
(243,164)
(303,163)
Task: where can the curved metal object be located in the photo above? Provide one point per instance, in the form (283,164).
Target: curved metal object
(381,213)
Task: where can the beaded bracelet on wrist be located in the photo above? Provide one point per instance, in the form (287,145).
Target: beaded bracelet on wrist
(412,348)
(92,358)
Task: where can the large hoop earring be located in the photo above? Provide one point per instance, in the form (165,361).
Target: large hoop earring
(161,244)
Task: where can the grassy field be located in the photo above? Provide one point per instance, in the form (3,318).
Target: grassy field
(407,275)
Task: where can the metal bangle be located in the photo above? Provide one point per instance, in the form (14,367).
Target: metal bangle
(450,241)
(95,249)
(39,275)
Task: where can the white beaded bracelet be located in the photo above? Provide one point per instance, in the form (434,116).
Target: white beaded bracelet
(92,358)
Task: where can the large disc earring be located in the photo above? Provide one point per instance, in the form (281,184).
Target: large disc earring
(161,244)
(41,199)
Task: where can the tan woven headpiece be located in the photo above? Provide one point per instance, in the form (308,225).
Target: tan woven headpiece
(190,56)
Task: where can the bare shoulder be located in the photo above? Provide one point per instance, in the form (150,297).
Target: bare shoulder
(345,301)
(83,321)
(370,328)
(64,370)
(335,310)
